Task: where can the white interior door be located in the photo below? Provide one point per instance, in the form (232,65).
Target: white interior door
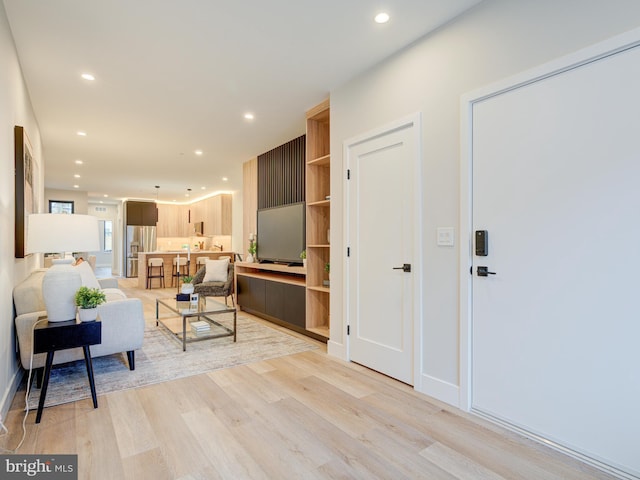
(555,331)
(381,237)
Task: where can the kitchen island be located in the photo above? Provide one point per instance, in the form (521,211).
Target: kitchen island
(168,257)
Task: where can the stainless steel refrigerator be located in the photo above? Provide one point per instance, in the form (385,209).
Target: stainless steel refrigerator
(139,239)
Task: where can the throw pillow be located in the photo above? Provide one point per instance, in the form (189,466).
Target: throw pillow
(86,274)
(216,270)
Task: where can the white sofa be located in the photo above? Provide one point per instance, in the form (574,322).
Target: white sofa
(122,322)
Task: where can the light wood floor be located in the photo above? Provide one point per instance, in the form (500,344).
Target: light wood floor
(302,416)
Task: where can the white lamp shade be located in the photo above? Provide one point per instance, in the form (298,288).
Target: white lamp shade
(59,232)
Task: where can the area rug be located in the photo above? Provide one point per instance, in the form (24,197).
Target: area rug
(162,359)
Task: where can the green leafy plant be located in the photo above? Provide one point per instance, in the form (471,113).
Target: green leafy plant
(252,247)
(89,297)
(187,279)
(327,267)
(303,254)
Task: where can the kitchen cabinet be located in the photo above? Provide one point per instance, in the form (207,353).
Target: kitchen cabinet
(141,213)
(173,221)
(215,212)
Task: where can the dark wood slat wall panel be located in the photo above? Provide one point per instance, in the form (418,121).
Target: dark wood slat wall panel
(281,174)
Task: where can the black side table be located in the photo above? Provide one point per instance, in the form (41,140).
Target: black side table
(50,337)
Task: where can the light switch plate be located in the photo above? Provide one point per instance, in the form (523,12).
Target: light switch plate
(445,236)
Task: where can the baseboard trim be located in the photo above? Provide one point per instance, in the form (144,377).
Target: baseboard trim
(10,392)
(337,350)
(444,391)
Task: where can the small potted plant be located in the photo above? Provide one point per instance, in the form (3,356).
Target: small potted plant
(303,256)
(87,299)
(253,247)
(187,286)
(327,268)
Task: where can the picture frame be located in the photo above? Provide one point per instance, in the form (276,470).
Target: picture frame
(26,188)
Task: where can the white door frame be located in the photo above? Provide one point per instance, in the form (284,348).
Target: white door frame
(415,121)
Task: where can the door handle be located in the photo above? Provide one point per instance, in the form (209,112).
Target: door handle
(484,272)
(405,268)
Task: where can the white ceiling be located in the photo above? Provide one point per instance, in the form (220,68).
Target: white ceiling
(176,76)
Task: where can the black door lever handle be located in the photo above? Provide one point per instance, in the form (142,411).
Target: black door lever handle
(484,272)
(405,268)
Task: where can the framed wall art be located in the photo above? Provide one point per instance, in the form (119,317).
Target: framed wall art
(26,188)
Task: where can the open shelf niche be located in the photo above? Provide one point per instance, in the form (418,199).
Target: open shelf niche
(318,221)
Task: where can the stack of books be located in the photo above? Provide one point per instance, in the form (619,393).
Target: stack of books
(200,328)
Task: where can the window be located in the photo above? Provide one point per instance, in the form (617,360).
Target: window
(60,206)
(107,240)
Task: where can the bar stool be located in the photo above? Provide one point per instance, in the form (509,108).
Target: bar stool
(180,268)
(158,265)
(201,261)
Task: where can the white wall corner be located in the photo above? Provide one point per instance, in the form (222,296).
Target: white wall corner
(338,350)
(439,389)
(10,392)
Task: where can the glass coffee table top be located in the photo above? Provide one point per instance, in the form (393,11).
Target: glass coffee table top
(205,319)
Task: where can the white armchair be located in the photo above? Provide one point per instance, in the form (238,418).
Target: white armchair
(122,322)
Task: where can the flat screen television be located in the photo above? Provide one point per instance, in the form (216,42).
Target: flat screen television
(281,234)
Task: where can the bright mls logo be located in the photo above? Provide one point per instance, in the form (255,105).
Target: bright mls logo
(58,467)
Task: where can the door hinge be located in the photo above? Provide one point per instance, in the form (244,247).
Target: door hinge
(348,174)
(348,329)
(348,251)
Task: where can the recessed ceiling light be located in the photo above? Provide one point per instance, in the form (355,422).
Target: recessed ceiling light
(382,17)
(105,195)
(249,116)
(82,134)
(79,162)
(198,152)
(225,179)
(76,186)
(76,176)
(88,76)
(203,188)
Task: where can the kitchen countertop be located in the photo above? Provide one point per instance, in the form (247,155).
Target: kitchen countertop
(184,252)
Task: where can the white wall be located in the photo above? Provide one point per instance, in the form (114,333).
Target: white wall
(79,198)
(496,39)
(15,109)
(109,212)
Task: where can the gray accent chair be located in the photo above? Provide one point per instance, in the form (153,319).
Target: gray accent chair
(214,289)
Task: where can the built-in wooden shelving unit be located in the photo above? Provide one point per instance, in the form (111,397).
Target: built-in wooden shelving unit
(318,221)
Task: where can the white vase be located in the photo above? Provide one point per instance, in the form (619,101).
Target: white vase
(187,288)
(59,286)
(304,262)
(249,258)
(88,314)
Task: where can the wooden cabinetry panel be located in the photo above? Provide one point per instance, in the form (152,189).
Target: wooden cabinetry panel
(251,293)
(197,212)
(173,220)
(276,293)
(216,214)
(141,213)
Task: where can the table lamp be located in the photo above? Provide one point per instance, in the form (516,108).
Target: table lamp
(57,232)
